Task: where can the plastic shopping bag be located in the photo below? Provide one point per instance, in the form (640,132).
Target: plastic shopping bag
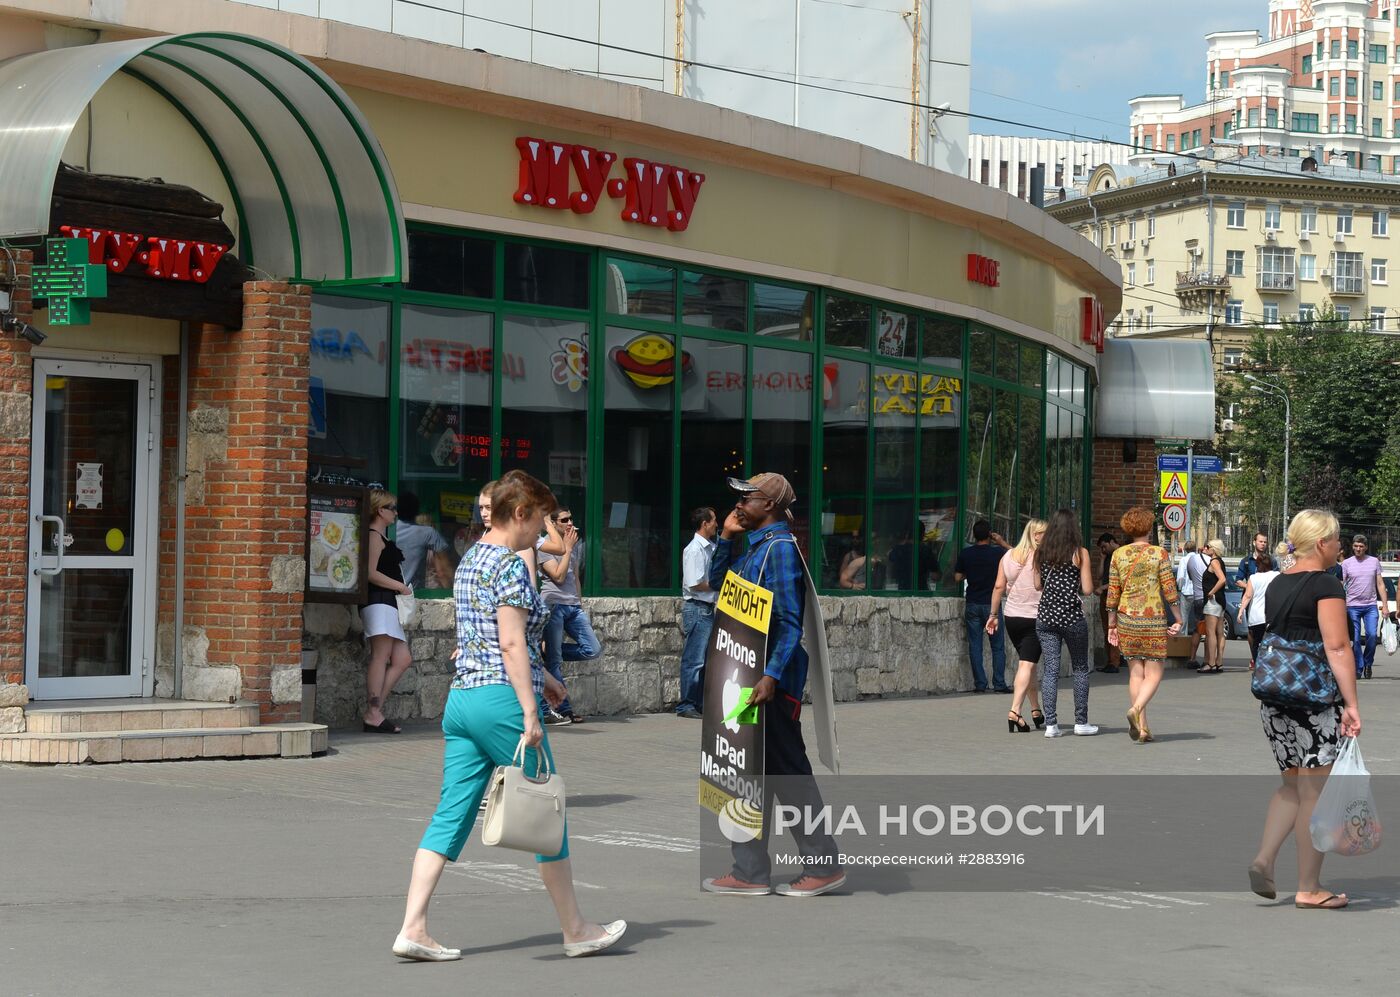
(408,609)
(1345,819)
(1390,636)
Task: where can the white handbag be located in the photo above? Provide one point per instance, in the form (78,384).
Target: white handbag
(408,609)
(525,812)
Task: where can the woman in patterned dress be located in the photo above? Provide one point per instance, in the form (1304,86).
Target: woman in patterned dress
(1305,741)
(1140,581)
(493,707)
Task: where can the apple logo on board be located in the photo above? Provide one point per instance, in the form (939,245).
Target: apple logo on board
(730,699)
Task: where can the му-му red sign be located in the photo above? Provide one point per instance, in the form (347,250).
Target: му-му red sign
(560,175)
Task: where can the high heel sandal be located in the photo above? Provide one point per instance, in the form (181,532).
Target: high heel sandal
(1038,719)
(1017,726)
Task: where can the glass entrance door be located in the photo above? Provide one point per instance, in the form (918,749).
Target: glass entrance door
(91,498)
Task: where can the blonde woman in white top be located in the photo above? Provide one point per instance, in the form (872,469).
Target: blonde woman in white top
(1016,583)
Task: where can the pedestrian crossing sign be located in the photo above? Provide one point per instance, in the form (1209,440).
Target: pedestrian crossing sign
(1175,487)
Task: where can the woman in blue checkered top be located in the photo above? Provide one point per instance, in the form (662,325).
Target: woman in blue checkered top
(493,704)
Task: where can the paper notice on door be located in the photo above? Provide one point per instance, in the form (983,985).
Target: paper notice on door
(89,486)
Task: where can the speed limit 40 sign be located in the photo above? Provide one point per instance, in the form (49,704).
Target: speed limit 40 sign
(1174,517)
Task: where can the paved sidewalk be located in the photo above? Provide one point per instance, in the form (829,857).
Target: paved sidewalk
(287,876)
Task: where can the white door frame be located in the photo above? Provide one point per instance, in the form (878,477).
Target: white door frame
(140,679)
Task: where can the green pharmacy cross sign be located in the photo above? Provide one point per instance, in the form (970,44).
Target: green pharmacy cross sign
(67,279)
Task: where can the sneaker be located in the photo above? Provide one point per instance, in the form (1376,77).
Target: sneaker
(1053,730)
(733,885)
(553,719)
(1085,730)
(808,885)
(690,714)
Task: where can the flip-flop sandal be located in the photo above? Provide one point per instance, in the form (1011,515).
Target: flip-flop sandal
(385,727)
(1326,904)
(1262,884)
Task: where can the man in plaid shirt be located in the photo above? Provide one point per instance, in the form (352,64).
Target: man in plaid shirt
(774,562)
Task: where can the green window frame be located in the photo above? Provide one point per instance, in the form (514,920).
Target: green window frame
(932,386)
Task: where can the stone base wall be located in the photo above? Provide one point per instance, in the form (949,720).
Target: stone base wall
(879,647)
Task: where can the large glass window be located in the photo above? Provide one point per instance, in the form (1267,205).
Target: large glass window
(940,427)
(714,302)
(896,334)
(783,312)
(847,323)
(544,405)
(546,275)
(639,370)
(349,383)
(942,341)
(895,400)
(641,290)
(845,456)
(712,425)
(445,364)
(452,264)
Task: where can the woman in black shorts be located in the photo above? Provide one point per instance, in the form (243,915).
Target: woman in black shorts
(1016,582)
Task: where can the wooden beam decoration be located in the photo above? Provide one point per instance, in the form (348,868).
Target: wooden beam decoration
(163,248)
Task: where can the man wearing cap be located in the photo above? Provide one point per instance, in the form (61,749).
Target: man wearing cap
(1361,576)
(773,561)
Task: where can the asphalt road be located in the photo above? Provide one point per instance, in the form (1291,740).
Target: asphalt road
(287,876)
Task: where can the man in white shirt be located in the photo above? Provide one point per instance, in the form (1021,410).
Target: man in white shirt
(697,611)
(1187,588)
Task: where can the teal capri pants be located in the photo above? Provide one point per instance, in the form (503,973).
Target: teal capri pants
(482,727)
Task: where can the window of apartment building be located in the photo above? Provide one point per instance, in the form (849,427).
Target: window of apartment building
(1307,266)
(1332,120)
(1271,117)
(1378,90)
(1343,314)
(1377,319)
(1335,49)
(1307,220)
(1351,125)
(1376,128)
(1229,128)
(1397,83)
(1319,50)
(1234,262)
(1196,138)
(1171,141)
(1234,357)
(1151,277)
(1151,226)
(1132,229)
(1130,275)
(1377,53)
(1353,48)
(1306,312)
(1380,222)
(1271,313)
(1305,122)
(1254,117)
(1344,221)
(1185,141)
(1273,216)
(1334,86)
(986,172)
(1378,269)
(1348,273)
(1351,86)
(1224,79)
(1234,214)
(1373,163)
(1275,268)
(1351,160)
(1004,175)
(1234,312)
(1147,317)
(1113,233)
(1307,63)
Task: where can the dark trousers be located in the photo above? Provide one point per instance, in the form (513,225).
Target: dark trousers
(785,758)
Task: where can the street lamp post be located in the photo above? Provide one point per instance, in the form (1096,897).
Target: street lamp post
(1270,388)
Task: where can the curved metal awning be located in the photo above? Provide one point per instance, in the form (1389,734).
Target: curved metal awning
(315,198)
(1156,388)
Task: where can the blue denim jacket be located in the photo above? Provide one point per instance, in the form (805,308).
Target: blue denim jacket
(782,575)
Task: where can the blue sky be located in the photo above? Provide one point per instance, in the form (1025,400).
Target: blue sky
(1082,60)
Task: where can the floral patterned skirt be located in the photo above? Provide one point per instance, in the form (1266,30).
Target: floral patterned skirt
(1301,738)
(1142,637)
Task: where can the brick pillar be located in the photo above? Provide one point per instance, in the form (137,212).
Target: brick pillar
(246,503)
(1118,484)
(16,409)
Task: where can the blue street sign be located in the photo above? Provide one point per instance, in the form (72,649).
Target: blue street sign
(1172,463)
(1206,465)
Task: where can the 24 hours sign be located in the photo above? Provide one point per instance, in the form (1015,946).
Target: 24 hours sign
(731,739)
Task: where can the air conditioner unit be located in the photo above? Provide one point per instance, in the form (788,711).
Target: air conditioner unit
(1126,246)
(1145,243)
(1339,237)
(1326,271)
(1304,235)
(1227,425)
(1271,235)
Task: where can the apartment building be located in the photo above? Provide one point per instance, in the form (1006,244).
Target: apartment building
(1328,74)
(1229,245)
(1006,161)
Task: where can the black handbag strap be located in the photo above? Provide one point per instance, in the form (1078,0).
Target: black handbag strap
(1287,607)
